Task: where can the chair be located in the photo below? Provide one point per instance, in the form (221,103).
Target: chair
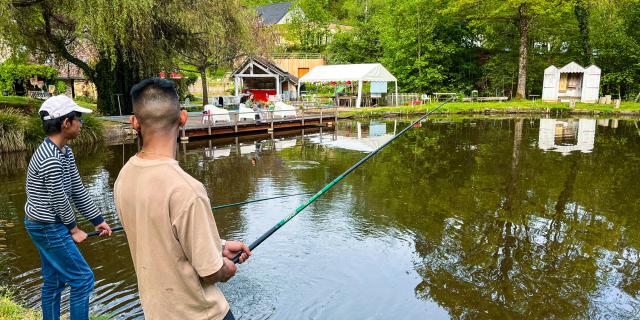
(213,114)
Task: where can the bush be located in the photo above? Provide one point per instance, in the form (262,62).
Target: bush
(20,132)
(10,310)
(12,130)
(61,87)
(11,72)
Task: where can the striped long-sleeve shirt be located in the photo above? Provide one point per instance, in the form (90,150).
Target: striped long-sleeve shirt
(53,183)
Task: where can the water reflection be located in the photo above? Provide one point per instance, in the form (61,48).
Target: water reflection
(460,218)
(566,136)
(363,141)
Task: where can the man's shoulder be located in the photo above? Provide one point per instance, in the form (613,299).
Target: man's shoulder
(169,171)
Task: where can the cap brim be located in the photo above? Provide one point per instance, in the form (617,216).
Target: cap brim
(81,109)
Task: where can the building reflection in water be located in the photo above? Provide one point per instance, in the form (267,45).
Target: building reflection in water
(566,136)
(366,139)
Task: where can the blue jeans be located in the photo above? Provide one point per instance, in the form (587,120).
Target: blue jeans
(62,264)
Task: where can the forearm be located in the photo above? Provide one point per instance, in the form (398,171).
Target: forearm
(222,275)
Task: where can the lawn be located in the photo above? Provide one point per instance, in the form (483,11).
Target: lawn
(499,107)
(29,105)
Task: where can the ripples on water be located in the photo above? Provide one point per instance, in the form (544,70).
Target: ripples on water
(475,218)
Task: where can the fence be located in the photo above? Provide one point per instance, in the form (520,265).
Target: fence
(403,98)
(296,55)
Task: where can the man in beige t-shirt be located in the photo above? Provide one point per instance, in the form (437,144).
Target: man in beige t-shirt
(177,252)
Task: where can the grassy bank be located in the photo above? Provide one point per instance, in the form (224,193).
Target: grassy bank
(516,106)
(10,310)
(21,127)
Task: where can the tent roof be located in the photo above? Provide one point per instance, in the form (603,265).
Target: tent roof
(349,72)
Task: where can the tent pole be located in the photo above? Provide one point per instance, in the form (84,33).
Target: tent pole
(396,99)
(359,99)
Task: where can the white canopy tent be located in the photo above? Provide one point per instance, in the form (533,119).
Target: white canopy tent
(350,72)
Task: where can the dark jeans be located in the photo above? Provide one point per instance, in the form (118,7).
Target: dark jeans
(229,316)
(62,264)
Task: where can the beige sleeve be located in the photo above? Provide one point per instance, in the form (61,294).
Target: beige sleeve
(198,236)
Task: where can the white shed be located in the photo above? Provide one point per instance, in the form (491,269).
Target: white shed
(571,82)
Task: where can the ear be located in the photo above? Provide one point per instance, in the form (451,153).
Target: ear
(135,124)
(183,117)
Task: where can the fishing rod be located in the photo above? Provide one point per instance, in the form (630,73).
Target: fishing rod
(282,222)
(222,206)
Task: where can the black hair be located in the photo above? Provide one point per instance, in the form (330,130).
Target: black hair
(165,86)
(53,126)
(155,103)
(244,99)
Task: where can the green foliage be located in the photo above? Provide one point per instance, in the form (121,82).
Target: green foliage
(10,310)
(25,104)
(61,87)
(183,84)
(86,102)
(455,45)
(11,72)
(12,137)
(20,132)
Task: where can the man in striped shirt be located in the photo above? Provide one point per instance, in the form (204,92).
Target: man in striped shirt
(53,184)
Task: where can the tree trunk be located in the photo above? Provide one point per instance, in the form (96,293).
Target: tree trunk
(205,89)
(523,28)
(582,15)
(113,82)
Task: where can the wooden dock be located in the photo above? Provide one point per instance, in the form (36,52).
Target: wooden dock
(326,117)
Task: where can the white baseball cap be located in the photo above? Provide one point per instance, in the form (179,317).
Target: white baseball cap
(60,105)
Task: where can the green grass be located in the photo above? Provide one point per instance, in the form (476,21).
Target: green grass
(499,107)
(19,131)
(30,105)
(11,310)
(25,104)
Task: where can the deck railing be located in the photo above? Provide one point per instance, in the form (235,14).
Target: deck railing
(269,117)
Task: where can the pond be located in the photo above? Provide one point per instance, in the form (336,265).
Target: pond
(459,218)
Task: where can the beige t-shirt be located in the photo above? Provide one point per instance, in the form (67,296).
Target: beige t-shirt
(173,239)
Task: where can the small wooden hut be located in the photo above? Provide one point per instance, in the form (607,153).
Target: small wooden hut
(571,83)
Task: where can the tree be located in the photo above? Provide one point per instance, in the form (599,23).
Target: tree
(521,14)
(113,50)
(217,35)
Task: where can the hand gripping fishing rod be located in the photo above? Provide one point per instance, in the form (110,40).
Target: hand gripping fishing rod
(95,233)
(326,188)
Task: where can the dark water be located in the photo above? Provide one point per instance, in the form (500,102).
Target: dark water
(461,218)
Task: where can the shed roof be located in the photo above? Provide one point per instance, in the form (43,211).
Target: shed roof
(349,72)
(273,13)
(266,64)
(572,67)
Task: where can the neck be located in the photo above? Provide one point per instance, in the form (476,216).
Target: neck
(59,139)
(159,145)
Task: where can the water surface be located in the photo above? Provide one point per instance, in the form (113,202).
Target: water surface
(460,218)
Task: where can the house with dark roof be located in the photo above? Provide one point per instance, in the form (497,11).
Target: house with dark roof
(278,13)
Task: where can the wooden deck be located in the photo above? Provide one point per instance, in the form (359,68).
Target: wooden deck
(196,129)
